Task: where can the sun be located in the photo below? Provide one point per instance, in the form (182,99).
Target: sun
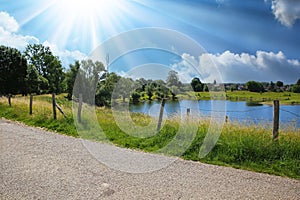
(89,8)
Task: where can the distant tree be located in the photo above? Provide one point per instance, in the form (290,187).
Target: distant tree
(197,85)
(279,84)
(71,77)
(135,96)
(205,88)
(254,86)
(47,65)
(125,87)
(105,89)
(35,81)
(172,79)
(272,86)
(296,87)
(87,80)
(150,88)
(13,70)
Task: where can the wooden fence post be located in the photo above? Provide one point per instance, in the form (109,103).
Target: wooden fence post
(54,105)
(188,112)
(276,120)
(9,99)
(161,113)
(79,108)
(30,104)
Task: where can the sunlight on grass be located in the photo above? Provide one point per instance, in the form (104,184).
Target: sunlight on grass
(247,146)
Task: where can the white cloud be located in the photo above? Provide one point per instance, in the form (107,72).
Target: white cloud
(67,57)
(8,23)
(230,67)
(286,11)
(15,40)
(9,37)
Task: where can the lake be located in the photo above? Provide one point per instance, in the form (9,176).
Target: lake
(240,111)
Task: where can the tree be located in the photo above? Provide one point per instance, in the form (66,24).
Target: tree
(296,87)
(125,87)
(47,65)
(172,79)
(135,96)
(197,85)
(13,70)
(254,86)
(34,80)
(71,77)
(279,84)
(272,86)
(87,79)
(105,90)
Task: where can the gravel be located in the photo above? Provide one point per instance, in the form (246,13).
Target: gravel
(37,164)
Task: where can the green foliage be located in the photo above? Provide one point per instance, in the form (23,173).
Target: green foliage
(105,90)
(279,84)
(71,77)
(197,85)
(47,65)
(246,147)
(13,70)
(254,86)
(296,88)
(87,79)
(135,96)
(124,88)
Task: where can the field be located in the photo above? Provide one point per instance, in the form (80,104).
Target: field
(288,98)
(240,146)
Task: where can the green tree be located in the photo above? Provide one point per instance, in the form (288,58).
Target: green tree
(105,90)
(71,77)
(135,96)
(197,85)
(172,79)
(87,79)
(272,86)
(47,65)
(296,87)
(279,84)
(254,86)
(125,87)
(13,70)
(34,80)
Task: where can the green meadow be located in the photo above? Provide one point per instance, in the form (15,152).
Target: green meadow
(247,147)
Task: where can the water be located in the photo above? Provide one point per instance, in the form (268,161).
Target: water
(243,112)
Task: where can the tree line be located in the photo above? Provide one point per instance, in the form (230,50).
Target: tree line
(38,71)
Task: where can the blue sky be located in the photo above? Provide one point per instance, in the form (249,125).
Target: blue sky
(247,40)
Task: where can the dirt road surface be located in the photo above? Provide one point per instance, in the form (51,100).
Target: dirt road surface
(37,164)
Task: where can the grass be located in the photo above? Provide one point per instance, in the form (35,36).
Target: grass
(240,146)
(265,97)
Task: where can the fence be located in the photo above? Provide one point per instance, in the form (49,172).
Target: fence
(276,112)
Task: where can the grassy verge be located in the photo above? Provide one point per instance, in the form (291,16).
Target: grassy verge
(246,147)
(288,98)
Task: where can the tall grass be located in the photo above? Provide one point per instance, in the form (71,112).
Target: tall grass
(242,146)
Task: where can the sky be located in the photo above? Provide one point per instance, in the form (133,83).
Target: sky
(240,40)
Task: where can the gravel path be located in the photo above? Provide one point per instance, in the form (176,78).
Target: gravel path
(36,164)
